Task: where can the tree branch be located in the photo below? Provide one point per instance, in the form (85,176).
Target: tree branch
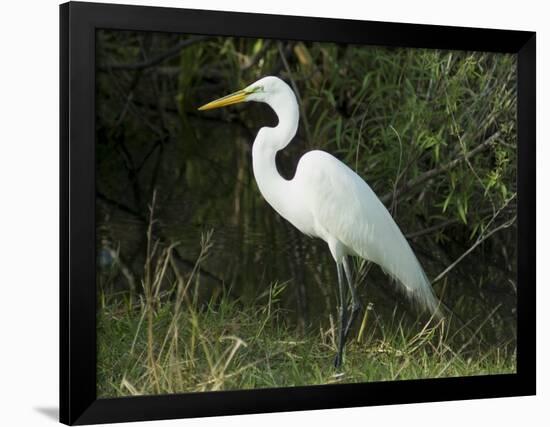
(155,60)
(420,179)
(475,245)
(442,224)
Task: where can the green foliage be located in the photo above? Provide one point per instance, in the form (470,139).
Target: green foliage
(226,345)
(432,132)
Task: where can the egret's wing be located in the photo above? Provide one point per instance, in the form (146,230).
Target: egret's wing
(347,208)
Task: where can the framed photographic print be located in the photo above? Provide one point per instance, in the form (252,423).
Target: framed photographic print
(274,213)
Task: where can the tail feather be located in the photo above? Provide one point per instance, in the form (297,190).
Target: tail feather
(429,301)
(404,267)
(420,292)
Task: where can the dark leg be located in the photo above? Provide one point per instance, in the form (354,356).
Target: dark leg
(355,304)
(341,335)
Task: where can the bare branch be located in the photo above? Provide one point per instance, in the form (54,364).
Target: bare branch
(442,224)
(415,182)
(475,245)
(155,60)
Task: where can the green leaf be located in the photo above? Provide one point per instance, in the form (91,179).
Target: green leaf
(447,201)
(462,211)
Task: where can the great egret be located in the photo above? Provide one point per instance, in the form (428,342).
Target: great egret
(328,200)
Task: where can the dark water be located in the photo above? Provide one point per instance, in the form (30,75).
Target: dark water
(253,248)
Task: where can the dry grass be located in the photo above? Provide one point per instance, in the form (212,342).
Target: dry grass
(166,341)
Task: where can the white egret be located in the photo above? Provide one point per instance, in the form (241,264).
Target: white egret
(328,200)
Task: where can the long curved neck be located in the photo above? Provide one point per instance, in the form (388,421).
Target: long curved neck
(269,140)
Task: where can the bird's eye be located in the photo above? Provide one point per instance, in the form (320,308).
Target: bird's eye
(258,89)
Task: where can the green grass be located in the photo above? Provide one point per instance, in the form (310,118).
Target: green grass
(165,340)
(225,346)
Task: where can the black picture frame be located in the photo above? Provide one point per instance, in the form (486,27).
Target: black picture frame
(78,400)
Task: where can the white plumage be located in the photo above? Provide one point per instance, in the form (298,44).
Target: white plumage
(328,200)
(353,221)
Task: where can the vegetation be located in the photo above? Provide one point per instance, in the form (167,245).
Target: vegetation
(202,286)
(158,345)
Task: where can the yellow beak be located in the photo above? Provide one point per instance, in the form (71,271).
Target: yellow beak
(233,98)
